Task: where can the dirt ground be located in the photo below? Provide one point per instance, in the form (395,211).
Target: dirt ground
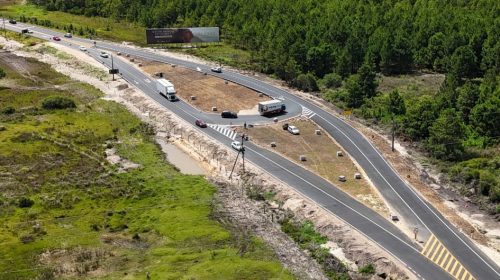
(208,90)
(321,158)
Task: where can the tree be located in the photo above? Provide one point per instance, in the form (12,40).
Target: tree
(355,95)
(464,62)
(446,135)
(468,95)
(396,103)
(361,86)
(420,117)
(485,116)
(306,82)
(331,80)
(367,80)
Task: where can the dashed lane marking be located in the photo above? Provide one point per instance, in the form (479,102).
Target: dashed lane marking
(435,251)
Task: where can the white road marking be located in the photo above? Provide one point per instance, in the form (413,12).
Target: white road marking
(224,130)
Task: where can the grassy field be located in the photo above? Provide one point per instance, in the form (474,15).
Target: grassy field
(66,213)
(321,158)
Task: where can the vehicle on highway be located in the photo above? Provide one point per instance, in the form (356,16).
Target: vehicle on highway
(271,107)
(104,54)
(68,35)
(83,49)
(293,130)
(200,123)
(55,38)
(237,146)
(217,69)
(166,88)
(12,21)
(228,115)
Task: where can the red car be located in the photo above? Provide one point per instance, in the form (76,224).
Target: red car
(200,123)
(55,38)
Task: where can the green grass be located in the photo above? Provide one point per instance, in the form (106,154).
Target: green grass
(225,54)
(147,220)
(130,32)
(25,39)
(106,28)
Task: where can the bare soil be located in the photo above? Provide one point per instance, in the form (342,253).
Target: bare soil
(208,90)
(321,158)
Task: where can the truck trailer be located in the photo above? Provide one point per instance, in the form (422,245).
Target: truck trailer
(166,88)
(271,107)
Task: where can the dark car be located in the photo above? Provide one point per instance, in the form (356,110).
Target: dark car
(55,38)
(229,115)
(200,123)
(12,21)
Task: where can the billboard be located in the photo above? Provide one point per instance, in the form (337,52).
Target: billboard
(182,35)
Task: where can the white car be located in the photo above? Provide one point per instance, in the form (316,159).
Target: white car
(237,146)
(105,55)
(216,69)
(83,49)
(293,130)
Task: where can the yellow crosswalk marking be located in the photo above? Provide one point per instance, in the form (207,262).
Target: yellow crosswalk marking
(439,247)
(458,271)
(429,245)
(446,255)
(437,252)
(453,268)
(449,263)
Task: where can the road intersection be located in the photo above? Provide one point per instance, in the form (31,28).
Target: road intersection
(468,261)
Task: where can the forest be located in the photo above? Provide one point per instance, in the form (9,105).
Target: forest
(341,47)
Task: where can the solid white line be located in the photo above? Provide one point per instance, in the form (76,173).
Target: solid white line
(375,169)
(327,194)
(426,205)
(383,177)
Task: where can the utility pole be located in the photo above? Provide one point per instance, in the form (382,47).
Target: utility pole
(112,71)
(242,151)
(393,130)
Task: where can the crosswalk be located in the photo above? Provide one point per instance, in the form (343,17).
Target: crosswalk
(224,130)
(307,113)
(437,253)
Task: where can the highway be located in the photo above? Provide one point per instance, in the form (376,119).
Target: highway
(407,203)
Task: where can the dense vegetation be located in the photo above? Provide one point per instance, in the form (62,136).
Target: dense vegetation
(330,43)
(67,213)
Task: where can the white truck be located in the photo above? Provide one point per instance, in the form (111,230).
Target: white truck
(271,107)
(166,88)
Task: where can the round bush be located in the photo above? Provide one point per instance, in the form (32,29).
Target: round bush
(58,102)
(8,110)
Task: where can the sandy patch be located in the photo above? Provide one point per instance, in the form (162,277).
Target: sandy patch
(205,91)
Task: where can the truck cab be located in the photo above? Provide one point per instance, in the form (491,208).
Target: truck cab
(167,89)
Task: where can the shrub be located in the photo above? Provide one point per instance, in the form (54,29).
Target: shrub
(2,73)
(58,102)
(332,80)
(25,202)
(8,110)
(367,269)
(28,238)
(306,82)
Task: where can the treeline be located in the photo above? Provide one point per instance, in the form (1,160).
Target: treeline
(344,43)
(324,36)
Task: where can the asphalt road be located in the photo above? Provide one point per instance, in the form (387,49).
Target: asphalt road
(407,203)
